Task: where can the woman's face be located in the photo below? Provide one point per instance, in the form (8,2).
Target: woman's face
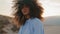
(25,10)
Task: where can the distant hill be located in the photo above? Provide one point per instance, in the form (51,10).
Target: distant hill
(5,25)
(52,20)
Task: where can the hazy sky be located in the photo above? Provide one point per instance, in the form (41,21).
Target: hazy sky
(52,7)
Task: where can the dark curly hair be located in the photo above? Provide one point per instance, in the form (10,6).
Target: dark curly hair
(36,10)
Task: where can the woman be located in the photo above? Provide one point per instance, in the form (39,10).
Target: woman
(28,17)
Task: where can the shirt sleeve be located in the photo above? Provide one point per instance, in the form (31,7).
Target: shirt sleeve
(38,27)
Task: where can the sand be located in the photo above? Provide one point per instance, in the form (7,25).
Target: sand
(50,29)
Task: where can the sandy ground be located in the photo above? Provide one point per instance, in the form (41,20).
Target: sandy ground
(49,29)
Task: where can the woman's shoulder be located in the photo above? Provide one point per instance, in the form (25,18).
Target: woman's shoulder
(35,20)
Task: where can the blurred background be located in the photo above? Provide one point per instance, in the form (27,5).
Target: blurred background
(51,17)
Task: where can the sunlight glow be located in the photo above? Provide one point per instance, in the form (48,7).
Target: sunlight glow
(50,8)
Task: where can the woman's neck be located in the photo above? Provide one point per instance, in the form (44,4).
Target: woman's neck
(27,16)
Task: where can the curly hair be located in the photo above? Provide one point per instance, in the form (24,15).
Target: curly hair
(36,10)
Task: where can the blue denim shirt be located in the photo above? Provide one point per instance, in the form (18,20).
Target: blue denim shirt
(32,26)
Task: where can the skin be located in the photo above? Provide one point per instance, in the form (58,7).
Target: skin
(25,11)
